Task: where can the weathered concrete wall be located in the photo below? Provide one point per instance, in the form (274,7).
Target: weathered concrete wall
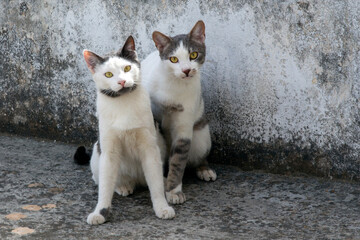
(281,80)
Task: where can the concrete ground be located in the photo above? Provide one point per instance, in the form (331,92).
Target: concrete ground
(44,195)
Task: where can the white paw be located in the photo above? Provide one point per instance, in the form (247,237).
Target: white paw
(175,197)
(206,174)
(124,190)
(165,212)
(95,219)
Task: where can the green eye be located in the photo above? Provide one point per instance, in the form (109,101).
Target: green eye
(174,59)
(127,68)
(108,74)
(193,55)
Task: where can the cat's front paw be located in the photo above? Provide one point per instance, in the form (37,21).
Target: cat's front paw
(206,174)
(175,197)
(95,219)
(165,212)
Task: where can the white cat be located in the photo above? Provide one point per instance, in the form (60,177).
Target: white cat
(127,152)
(172,77)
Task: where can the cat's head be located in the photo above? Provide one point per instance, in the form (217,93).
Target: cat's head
(117,73)
(183,54)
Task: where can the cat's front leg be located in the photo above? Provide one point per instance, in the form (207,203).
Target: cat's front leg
(108,171)
(178,159)
(152,168)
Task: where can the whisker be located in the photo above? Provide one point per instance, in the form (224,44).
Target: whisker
(208,75)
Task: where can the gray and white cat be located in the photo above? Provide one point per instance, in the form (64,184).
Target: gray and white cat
(172,77)
(127,152)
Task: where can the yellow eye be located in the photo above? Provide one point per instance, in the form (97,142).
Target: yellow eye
(174,59)
(108,74)
(127,68)
(193,55)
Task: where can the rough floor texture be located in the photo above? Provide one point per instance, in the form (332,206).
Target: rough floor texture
(280,80)
(52,197)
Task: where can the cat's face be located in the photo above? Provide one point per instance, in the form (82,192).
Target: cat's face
(116,74)
(182,55)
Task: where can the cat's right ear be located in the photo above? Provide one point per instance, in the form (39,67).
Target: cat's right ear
(161,40)
(92,60)
(128,50)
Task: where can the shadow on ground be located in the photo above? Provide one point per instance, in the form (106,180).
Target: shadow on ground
(44,195)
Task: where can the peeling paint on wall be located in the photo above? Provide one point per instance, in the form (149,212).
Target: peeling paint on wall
(280,81)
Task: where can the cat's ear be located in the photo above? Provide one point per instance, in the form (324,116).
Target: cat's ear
(128,50)
(92,60)
(161,40)
(197,33)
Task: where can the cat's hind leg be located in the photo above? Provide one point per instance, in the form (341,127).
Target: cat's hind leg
(108,167)
(200,148)
(94,162)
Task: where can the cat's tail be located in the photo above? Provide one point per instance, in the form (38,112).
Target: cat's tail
(82,156)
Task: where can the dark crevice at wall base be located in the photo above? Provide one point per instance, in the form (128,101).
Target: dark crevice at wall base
(286,158)
(85,136)
(278,158)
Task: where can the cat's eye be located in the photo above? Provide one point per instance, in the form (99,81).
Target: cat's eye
(108,74)
(174,59)
(127,68)
(193,55)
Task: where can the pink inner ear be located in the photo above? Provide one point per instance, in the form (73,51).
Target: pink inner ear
(89,63)
(130,44)
(198,32)
(160,40)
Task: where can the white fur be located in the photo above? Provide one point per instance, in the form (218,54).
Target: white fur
(130,153)
(168,85)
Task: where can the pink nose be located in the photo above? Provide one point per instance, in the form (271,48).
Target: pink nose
(186,71)
(122,83)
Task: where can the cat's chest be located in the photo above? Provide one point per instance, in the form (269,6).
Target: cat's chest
(123,115)
(179,92)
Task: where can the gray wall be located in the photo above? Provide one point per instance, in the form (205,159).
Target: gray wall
(281,80)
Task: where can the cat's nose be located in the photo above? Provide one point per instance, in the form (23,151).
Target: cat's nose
(186,71)
(122,83)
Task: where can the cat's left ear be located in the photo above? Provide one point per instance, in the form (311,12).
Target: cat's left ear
(92,60)
(161,40)
(197,33)
(128,50)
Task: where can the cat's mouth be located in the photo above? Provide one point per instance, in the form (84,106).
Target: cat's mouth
(122,91)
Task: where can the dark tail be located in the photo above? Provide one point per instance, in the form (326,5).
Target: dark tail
(81,156)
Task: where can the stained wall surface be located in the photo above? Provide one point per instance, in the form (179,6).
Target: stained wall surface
(280,83)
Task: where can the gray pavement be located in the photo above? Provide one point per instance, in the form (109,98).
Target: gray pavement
(44,195)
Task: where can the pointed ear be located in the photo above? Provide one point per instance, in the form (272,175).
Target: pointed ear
(92,60)
(161,40)
(129,44)
(197,34)
(128,50)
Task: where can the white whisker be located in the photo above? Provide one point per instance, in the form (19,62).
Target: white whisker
(208,75)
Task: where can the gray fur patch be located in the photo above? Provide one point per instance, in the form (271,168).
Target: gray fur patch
(173,108)
(191,45)
(105,212)
(98,147)
(177,163)
(182,146)
(201,123)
